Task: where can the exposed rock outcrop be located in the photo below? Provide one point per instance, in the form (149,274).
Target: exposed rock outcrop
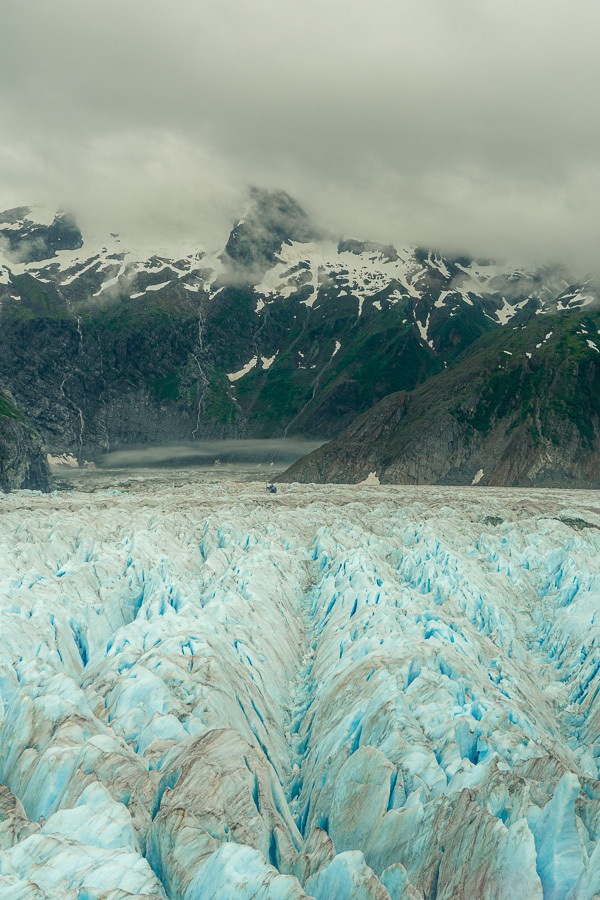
(272,218)
(23,462)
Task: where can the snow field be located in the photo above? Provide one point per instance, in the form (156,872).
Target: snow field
(336,692)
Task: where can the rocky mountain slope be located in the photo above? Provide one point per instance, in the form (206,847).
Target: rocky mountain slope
(22,455)
(520,407)
(105,343)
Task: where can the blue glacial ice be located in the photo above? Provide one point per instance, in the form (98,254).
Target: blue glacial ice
(355,693)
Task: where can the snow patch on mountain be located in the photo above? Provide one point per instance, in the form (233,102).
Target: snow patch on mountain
(362,274)
(251,364)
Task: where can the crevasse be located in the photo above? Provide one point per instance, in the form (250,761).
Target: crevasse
(340,692)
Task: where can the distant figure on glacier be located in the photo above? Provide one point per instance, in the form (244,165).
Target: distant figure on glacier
(271,489)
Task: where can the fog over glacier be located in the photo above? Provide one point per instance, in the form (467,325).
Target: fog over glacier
(333,692)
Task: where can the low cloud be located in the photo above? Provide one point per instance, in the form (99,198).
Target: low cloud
(466,126)
(208,453)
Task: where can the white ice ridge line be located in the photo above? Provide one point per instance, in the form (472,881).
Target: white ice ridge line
(420,689)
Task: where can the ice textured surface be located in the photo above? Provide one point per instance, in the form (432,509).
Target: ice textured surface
(335,692)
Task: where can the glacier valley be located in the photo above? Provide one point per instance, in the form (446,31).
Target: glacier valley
(340,693)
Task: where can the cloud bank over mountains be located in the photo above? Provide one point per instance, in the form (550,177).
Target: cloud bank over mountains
(466,126)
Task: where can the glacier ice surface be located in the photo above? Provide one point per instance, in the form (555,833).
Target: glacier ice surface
(335,692)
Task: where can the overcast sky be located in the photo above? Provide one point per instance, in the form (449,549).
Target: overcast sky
(462,124)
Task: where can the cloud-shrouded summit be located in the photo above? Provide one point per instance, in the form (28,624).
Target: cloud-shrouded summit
(466,126)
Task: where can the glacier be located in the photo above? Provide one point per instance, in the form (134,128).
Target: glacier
(343,692)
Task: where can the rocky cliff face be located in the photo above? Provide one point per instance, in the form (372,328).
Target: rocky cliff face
(22,455)
(272,219)
(521,407)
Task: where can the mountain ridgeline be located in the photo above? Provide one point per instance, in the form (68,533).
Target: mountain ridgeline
(288,331)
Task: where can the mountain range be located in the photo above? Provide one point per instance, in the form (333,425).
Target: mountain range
(288,330)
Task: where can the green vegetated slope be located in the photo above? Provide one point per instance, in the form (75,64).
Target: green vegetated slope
(521,406)
(130,371)
(327,364)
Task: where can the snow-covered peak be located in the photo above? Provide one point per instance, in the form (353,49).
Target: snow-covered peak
(327,264)
(275,247)
(272,218)
(22,216)
(89,263)
(32,234)
(362,270)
